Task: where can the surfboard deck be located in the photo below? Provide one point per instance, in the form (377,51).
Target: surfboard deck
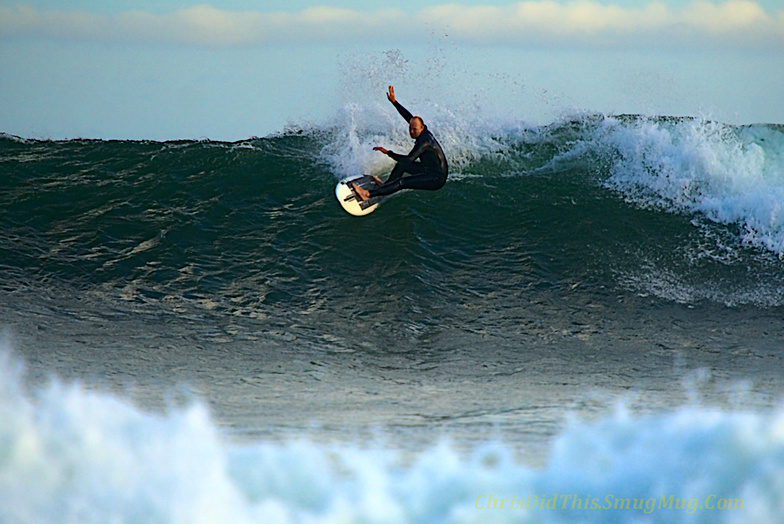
(350,201)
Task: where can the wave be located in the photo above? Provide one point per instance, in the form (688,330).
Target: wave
(730,175)
(73,455)
(681,208)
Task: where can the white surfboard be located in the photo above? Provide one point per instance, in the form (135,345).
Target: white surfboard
(351,201)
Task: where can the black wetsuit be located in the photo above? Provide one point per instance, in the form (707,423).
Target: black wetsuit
(426,162)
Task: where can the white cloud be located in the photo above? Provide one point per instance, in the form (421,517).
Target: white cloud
(589,23)
(545,23)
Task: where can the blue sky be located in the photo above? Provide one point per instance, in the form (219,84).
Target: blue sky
(231,69)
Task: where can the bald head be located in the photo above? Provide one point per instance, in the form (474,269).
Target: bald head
(415,126)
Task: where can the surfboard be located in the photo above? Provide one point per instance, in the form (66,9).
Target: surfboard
(351,201)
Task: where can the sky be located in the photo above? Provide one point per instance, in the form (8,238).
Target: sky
(231,69)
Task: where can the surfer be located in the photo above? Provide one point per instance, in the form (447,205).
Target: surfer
(426,161)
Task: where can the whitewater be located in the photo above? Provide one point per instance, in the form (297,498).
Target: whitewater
(583,325)
(70,455)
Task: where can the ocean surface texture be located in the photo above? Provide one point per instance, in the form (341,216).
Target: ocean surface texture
(585,324)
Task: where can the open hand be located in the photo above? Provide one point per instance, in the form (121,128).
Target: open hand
(379,148)
(391,94)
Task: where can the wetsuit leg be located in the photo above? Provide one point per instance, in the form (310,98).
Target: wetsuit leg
(398,170)
(421,179)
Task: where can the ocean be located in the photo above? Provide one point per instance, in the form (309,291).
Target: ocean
(584,325)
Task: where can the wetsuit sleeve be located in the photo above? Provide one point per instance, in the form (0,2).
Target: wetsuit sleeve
(415,153)
(403,111)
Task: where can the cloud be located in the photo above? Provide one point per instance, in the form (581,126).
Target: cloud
(539,23)
(589,23)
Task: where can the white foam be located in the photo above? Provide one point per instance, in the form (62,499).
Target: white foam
(70,455)
(730,175)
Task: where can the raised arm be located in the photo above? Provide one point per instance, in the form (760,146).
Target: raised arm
(400,109)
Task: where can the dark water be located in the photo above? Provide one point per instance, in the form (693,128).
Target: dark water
(561,268)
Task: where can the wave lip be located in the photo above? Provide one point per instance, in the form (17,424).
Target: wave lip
(731,175)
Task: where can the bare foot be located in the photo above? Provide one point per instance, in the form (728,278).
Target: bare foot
(378,181)
(363,194)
